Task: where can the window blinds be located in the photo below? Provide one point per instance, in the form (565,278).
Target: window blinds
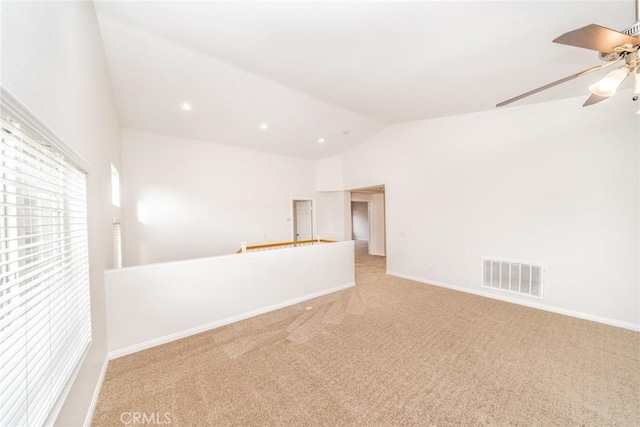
(45,323)
(117,244)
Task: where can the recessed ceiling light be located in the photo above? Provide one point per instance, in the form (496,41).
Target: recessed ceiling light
(264,126)
(186,106)
(321,141)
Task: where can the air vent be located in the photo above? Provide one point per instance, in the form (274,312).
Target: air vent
(524,278)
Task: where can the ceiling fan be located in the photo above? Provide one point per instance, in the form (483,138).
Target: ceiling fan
(615,47)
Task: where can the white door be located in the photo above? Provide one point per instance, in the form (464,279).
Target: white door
(304,223)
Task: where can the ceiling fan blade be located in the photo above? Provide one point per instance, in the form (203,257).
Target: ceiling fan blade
(556,83)
(594,99)
(595,37)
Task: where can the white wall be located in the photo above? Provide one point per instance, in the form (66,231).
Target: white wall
(188,199)
(552,182)
(53,60)
(360,220)
(377,231)
(153,304)
(329,174)
(333,204)
(330,221)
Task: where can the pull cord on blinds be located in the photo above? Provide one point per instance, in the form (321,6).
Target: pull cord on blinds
(45,323)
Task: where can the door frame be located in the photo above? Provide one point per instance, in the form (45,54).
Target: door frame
(294,216)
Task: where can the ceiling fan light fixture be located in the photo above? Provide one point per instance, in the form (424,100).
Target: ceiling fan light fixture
(608,85)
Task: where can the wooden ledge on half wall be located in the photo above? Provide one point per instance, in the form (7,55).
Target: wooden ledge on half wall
(269,246)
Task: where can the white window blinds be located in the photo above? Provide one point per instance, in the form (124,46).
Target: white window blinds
(117,244)
(45,323)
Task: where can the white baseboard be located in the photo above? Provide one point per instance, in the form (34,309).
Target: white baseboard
(96,393)
(203,328)
(532,304)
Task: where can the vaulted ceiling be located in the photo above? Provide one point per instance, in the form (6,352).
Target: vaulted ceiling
(337,70)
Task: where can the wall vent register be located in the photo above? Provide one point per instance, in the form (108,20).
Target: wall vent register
(524,278)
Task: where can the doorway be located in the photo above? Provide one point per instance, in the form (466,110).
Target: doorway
(302,220)
(360,221)
(373,199)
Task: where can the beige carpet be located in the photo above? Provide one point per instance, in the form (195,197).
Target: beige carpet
(387,352)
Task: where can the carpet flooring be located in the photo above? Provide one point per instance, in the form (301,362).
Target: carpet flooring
(386,352)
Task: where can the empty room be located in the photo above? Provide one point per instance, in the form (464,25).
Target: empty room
(353,213)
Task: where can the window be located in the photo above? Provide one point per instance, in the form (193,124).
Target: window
(115,186)
(117,243)
(45,324)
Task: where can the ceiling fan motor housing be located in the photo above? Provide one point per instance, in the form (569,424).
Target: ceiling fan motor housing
(628,51)
(633,30)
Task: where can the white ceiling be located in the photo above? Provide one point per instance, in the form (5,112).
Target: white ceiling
(319,69)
